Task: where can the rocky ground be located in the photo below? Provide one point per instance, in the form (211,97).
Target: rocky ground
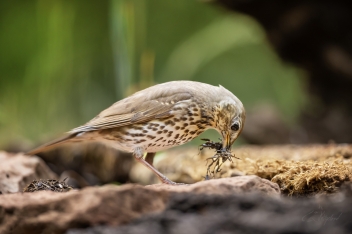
(274,189)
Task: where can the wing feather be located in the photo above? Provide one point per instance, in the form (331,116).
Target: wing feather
(135,109)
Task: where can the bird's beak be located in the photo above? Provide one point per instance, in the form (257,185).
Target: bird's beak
(226,141)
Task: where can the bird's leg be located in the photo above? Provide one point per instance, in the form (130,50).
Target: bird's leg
(138,154)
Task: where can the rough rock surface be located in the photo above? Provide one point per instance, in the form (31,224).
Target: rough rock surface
(226,186)
(49,212)
(241,213)
(18,170)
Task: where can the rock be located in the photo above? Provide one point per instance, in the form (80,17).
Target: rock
(240,213)
(49,212)
(18,170)
(226,186)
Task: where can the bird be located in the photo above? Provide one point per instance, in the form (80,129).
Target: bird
(161,117)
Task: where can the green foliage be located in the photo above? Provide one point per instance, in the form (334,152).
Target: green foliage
(64,61)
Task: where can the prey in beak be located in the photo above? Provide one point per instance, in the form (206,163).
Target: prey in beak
(223,153)
(229,120)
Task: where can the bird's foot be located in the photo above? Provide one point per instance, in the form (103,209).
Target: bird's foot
(207,177)
(170,182)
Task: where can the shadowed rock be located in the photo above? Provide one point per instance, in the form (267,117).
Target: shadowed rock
(49,212)
(18,170)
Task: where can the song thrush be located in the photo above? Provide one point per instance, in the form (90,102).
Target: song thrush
(161,117)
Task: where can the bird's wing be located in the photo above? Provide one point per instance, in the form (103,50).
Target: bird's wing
(138,108)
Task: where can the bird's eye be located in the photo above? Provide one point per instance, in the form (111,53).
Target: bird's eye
(235,127)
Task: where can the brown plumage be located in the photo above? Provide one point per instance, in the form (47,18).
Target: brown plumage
(161,117)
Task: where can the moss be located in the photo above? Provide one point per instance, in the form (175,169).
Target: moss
(308,175)
(298,170)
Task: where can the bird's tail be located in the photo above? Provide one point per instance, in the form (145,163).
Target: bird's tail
(52,144)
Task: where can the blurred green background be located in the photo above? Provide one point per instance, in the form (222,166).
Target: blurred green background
(64,61)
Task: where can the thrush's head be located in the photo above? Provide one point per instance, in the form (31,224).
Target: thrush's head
(229,118)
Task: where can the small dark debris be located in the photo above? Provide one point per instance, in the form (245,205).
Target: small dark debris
(49,185)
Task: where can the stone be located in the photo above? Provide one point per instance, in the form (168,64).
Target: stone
(50,212)
(18,170)
(240,213)
(226,186)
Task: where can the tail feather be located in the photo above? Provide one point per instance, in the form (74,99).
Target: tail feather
(52,144)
